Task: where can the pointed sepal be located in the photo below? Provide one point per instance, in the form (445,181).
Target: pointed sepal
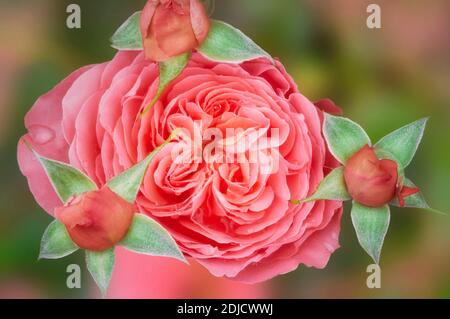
(100,266)
(56,242)
(225,43)
(65,179)
(128,35)
(332,187)
(128,183)
(371,225)
(148,237)
(344,137)
(404,142)
(168,71)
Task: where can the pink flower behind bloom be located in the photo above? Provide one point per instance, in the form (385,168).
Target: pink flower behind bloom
(232,217)
(139,276)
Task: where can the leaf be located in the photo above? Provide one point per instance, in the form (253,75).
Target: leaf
(101,265)
(344,137)
(146,236)
(168,71)
(403,143)
(65,179)
(128,36)
(371,226)
(225,43)
(331,188)
(56,242)
(128,183)
(415,201)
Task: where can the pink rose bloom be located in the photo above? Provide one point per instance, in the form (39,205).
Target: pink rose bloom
(232,217)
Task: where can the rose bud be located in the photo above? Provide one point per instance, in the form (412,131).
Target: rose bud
(370,181)
(172,27)
(96,220)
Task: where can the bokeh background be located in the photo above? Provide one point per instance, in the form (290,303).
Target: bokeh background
(382,78)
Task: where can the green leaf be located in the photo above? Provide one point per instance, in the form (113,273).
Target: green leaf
(371,226)
(128,36)
(146,236)
(168,71)
(403,143)
(101,265)
(56,242)
(65,179)
(415,201)
(331,188)
(344,137)
(128,183)
(225,43)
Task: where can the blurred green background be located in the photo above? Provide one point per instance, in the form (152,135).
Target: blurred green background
(382,78)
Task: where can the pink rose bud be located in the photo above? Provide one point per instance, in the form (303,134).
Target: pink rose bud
(96,220)
(370,181)
(172,27)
